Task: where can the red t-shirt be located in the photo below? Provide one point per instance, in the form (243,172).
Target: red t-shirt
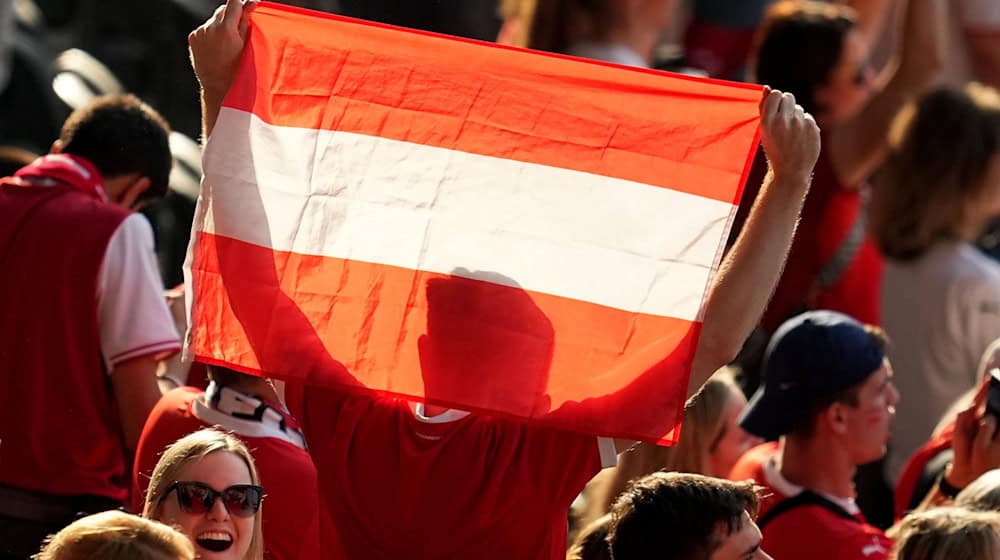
(827,218)
(395,486)
(808,531)
(290,510)
(914,468)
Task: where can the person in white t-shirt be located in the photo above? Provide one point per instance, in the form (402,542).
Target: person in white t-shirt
(940,295)
(974,42)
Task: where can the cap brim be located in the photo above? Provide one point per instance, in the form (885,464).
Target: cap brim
(769,415)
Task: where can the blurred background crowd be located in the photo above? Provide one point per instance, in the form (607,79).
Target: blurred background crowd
(900,230)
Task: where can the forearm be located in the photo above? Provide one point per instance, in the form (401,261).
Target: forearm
(211,104)
(923,48)
(873,18)
(136,393)
(748,275)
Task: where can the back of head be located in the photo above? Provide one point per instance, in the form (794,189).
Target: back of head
(677,515)
(113,535)
(982,494)
(120,135)
(592,542)
(948,534)
(798,45)
(941,148)
(704,422)
(225,377)
(556,25)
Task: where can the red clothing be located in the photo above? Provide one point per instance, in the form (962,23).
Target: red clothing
(914,468)
(808,531)
(721,51)
(290,510)
(59,427)
(395,486)
(828,216)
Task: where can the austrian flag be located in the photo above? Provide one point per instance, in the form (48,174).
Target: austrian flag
(486,228)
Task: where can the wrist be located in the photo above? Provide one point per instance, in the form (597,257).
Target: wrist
(796,177)
(952,480)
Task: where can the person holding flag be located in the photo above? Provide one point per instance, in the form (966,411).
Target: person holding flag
(424,480)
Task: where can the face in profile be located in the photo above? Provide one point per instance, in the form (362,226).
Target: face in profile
(870,422)
(742,543)
(214,502)
(733,441)
(850,83)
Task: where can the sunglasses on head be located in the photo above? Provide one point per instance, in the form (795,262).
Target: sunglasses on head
(242,500)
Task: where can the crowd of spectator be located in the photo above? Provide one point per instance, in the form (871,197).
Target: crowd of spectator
(844,397)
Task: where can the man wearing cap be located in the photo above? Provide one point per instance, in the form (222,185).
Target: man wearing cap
(828,400)
(828,395)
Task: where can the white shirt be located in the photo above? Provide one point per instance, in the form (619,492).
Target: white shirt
(941,313)
(609,52)
(965,16)
(131,309)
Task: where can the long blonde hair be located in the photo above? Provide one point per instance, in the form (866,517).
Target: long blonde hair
(113,535)
(940,152)
(947,533)
(194,447)
(704,425)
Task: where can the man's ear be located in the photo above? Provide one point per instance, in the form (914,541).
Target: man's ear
(57,147)
(834,416)
(134,191)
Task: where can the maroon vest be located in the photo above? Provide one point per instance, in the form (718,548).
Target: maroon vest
(59,427)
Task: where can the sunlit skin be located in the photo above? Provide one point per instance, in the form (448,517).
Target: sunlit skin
(743,543)
(850,85)
(869,423)
(219,470)
(734,441)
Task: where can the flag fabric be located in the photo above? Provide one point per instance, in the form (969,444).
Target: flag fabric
(487,228)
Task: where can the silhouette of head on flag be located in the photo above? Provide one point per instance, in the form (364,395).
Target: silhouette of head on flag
(486,342)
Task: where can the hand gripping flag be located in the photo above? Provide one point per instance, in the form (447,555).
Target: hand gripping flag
(486,228)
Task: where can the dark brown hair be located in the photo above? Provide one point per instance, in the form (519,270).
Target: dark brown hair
(798,45)
(940,151)
(677,515)
(120,134)
(558,24)
(592,542)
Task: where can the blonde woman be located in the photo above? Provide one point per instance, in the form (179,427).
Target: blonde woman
(206,485)
(711,442)
(939,189)
(113,535)
(948,534)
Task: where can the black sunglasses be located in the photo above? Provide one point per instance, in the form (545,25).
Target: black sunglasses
(242,500)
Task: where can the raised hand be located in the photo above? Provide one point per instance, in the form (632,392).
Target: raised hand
(790,135)
(217,44)
(976,449)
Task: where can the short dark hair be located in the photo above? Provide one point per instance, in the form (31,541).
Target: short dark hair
(798,45)
(120,134)
(676,515)
(851,396)
(225,377)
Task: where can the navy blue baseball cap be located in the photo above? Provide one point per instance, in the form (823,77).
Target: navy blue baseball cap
(811,356)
